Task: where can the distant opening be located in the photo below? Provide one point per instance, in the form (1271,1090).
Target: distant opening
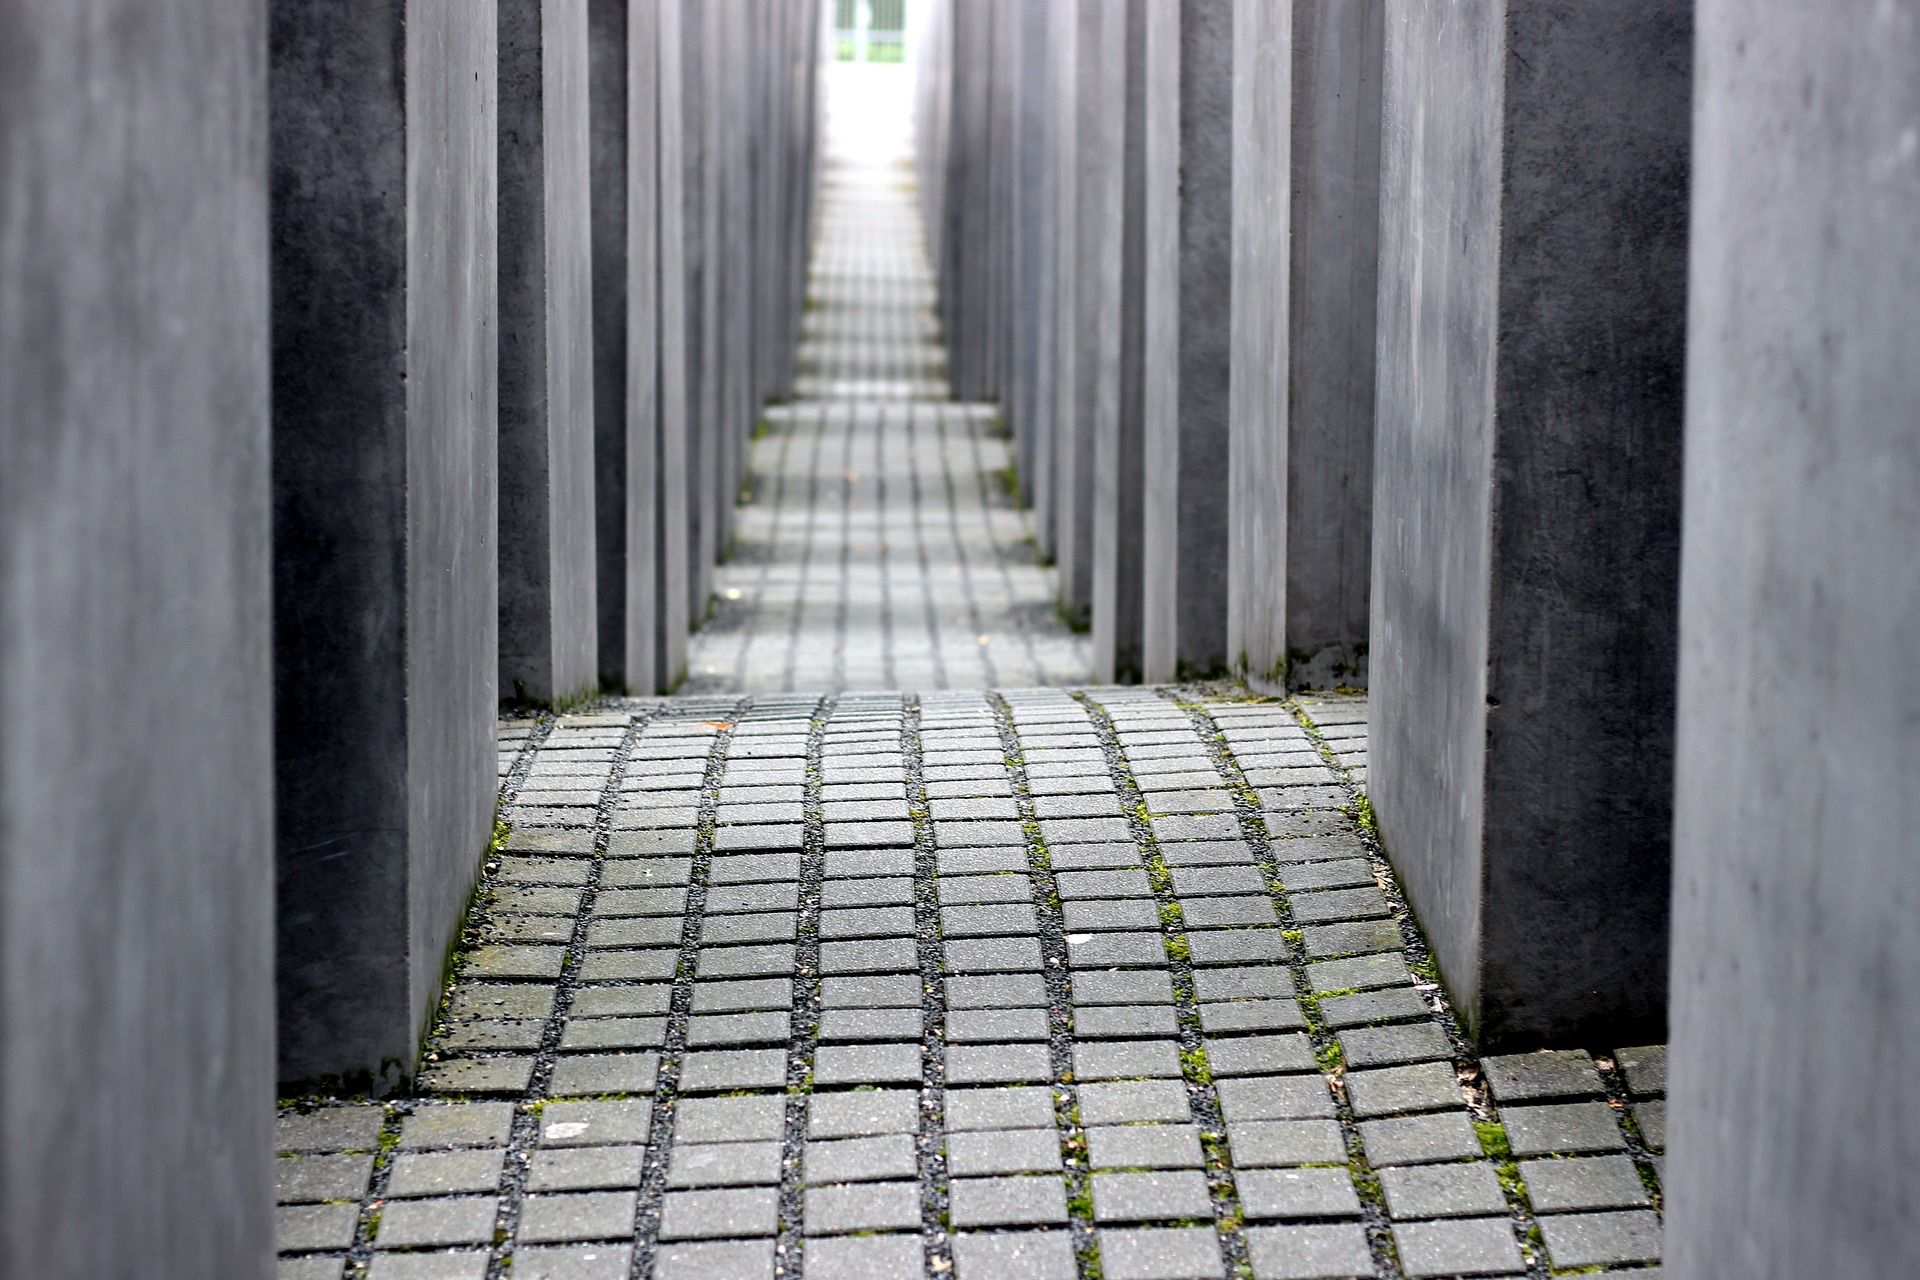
(870,30)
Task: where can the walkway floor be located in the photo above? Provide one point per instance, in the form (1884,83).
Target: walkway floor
(993,982)
(880,548)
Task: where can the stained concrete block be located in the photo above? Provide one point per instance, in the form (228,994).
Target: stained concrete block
(136,891)
(384,349)
(1793,1121)
(1188,212)
(549,620)
(1526,502)
(677,257)
(1053,504)
(1030,399)
(624,106)
(1307,229)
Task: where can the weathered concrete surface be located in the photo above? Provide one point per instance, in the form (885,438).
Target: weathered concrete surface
(1335,225)
(1794,1120)
(1259,362)
(1188,270)
(1052,504)
(1119,446)
(384,347)
(1526,501)
(136,889)
(1030,399)
(673,532)
(549,622)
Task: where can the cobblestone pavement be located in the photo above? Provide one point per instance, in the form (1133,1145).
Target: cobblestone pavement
(878,546)
(1027,983)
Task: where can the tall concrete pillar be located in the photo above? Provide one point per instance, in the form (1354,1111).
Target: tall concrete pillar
(1119,420)
(1793,1122)
(1054,505)
(1188,271)
(624,92)
(136,874)
(385,342)
(1307,173)
(1526,501)
(1031,400)
(549,619)
(673,533)
(1099,186)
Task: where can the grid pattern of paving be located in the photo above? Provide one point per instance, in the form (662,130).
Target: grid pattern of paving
(878,545)
(1004,984)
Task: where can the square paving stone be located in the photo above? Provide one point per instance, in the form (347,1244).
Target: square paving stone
(464,1264)
(1208,853)
(1601,1239)
(1331,1251)
(746,962)
(1144,1146)
(1443,1191)
(629,966)
(1228,913)
(605,1073)
(560,871)
(310,1179)
(720,1070)
(1007,1202)
(950,834)
(867,1064)
(863,1113)
(980,1110)
(1215,800)
(1545,1076)
(1644,1069)
(771,926)
(1001,1152)
(1297,1193)
(862,864)
(421,1224)
(1275,1098)
(515,962)
(490,1000)
(880,991)
(1084,830)
(1568,1128)
(1127,1060)
(868,922)
(513,900)
(988,921)
(1130,1102)
(970,862)
(998,1064)
(1244,983)
(1389,1046)
(321,1268)
(297,1228)
(744,1119)
(592,1215)
(460,1124)
(717,1215)
(1652,1119)
(623,903)
(1238,947)
(881,891)
(709,1029)
(724,1164)
(1218,826)
(1110,913)
(595,1124)
(1357,937)
(518,929)
(444,1173)
(1366,903)
(585,1168)
(865,1258)
(995,1026)
(1003,991)
(581,1034)
(1123,1022)
(1161,1253)
(641,931)
(610,1002)
(1469,1246)
(1260,1055)
(1266,1144)
(977,890)
(840,1025)
(635,844)
(869,955)
(1014,1255)
(1103,884)
(1150,1197)
(849,815)
(646,873)
(994,955)
(782,836)
(869,835)
(1590,1182)
(1099,801)
(1122,987)
(1117,950)
(860,1159)
(1425,1086)
(1096,857)
(1251,1015)
(1399,1004)
(1346,873)
(867,1206)
(579,1262)
(1420,1139)
(734,898)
